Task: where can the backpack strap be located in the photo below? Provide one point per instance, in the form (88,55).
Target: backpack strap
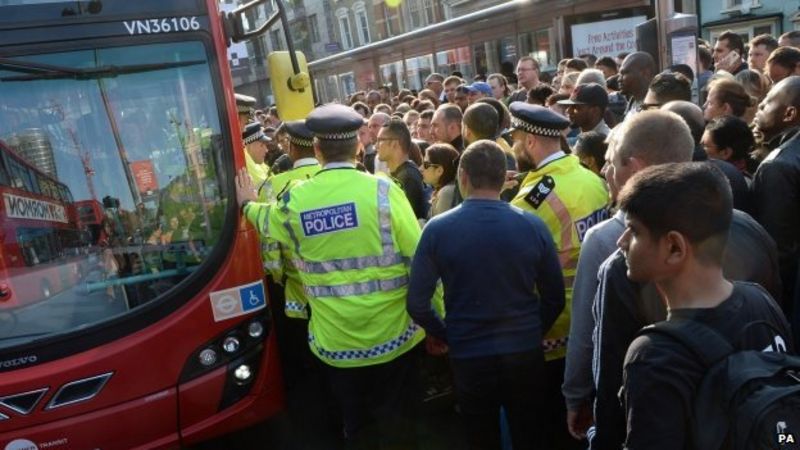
(703,341)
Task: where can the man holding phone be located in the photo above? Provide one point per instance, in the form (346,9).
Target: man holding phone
(728,53)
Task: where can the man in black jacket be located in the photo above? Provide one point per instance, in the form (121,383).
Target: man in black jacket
(622,307)
(393,146)
(678,219)
(776,184)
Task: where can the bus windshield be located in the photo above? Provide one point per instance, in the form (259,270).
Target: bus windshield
(111,182)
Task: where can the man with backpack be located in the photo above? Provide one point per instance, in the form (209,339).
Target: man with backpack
(681,376)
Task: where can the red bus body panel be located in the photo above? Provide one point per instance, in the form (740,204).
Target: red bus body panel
(147,365)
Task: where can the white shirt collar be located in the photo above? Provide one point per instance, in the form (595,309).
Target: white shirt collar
(551,158)
(602,127)
(302,162)
(339,165)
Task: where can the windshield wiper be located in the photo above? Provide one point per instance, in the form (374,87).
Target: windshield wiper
(40,71)
(25,336)
(32,67)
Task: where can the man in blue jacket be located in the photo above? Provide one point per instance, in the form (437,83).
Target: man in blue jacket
(503,289)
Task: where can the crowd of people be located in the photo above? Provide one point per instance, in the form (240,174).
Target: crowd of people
(529,232)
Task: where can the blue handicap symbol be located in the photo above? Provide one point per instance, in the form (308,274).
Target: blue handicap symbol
(253,297)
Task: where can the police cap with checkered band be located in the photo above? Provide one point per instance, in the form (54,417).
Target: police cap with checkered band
(298,132)
(538,120)
(334,122)
(254,132)
(245,104)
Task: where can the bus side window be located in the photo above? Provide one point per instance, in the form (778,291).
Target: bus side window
(44,186)
(16,177)
(3,173)
(34,181)
(64,194)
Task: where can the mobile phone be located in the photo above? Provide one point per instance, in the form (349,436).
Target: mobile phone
(731,60)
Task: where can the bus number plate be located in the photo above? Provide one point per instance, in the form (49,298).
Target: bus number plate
(165,25)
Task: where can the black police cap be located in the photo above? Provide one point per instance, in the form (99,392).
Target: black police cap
(299,134)
(254,132)
(334,122)
(535,119)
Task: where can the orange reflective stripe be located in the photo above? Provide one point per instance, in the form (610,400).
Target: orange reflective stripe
(565,220)
(562,214)
(565,258)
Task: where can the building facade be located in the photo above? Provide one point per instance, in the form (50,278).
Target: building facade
(749,18)
(310,25)
(477,37)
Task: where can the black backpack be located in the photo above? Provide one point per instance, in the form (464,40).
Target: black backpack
(748,399)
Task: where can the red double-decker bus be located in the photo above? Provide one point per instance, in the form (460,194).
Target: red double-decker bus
(40,250)
(158,334)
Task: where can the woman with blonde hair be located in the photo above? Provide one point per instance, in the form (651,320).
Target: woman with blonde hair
(568,83)
(756,85)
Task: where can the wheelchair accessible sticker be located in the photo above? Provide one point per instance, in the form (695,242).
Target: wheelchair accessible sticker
(238,301)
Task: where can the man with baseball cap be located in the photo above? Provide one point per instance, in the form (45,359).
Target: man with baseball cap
(586,108)
(570,199)
(478,90)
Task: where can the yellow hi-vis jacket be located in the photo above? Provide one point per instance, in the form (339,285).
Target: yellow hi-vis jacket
(272,253)
(258,172)
(570,199)
(303,170)
(351,236)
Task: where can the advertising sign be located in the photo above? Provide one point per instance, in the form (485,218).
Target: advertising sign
(30,208)
(145,176)
(606,38)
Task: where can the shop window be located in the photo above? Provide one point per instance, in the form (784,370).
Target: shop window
(313,27)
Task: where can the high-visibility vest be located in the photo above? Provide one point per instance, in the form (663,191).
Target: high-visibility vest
(570,199)
(351,236)
(273,253)
(276,184)
(258,172)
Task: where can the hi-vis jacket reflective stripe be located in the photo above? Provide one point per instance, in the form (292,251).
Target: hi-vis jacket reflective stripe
(271,250)
(577,201)
(351,236)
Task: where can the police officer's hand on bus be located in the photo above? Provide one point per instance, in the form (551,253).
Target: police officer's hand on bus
(245,191)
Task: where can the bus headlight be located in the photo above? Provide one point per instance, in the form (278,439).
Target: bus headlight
(255,330)
(231,344)
(243,373)
(208,357)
